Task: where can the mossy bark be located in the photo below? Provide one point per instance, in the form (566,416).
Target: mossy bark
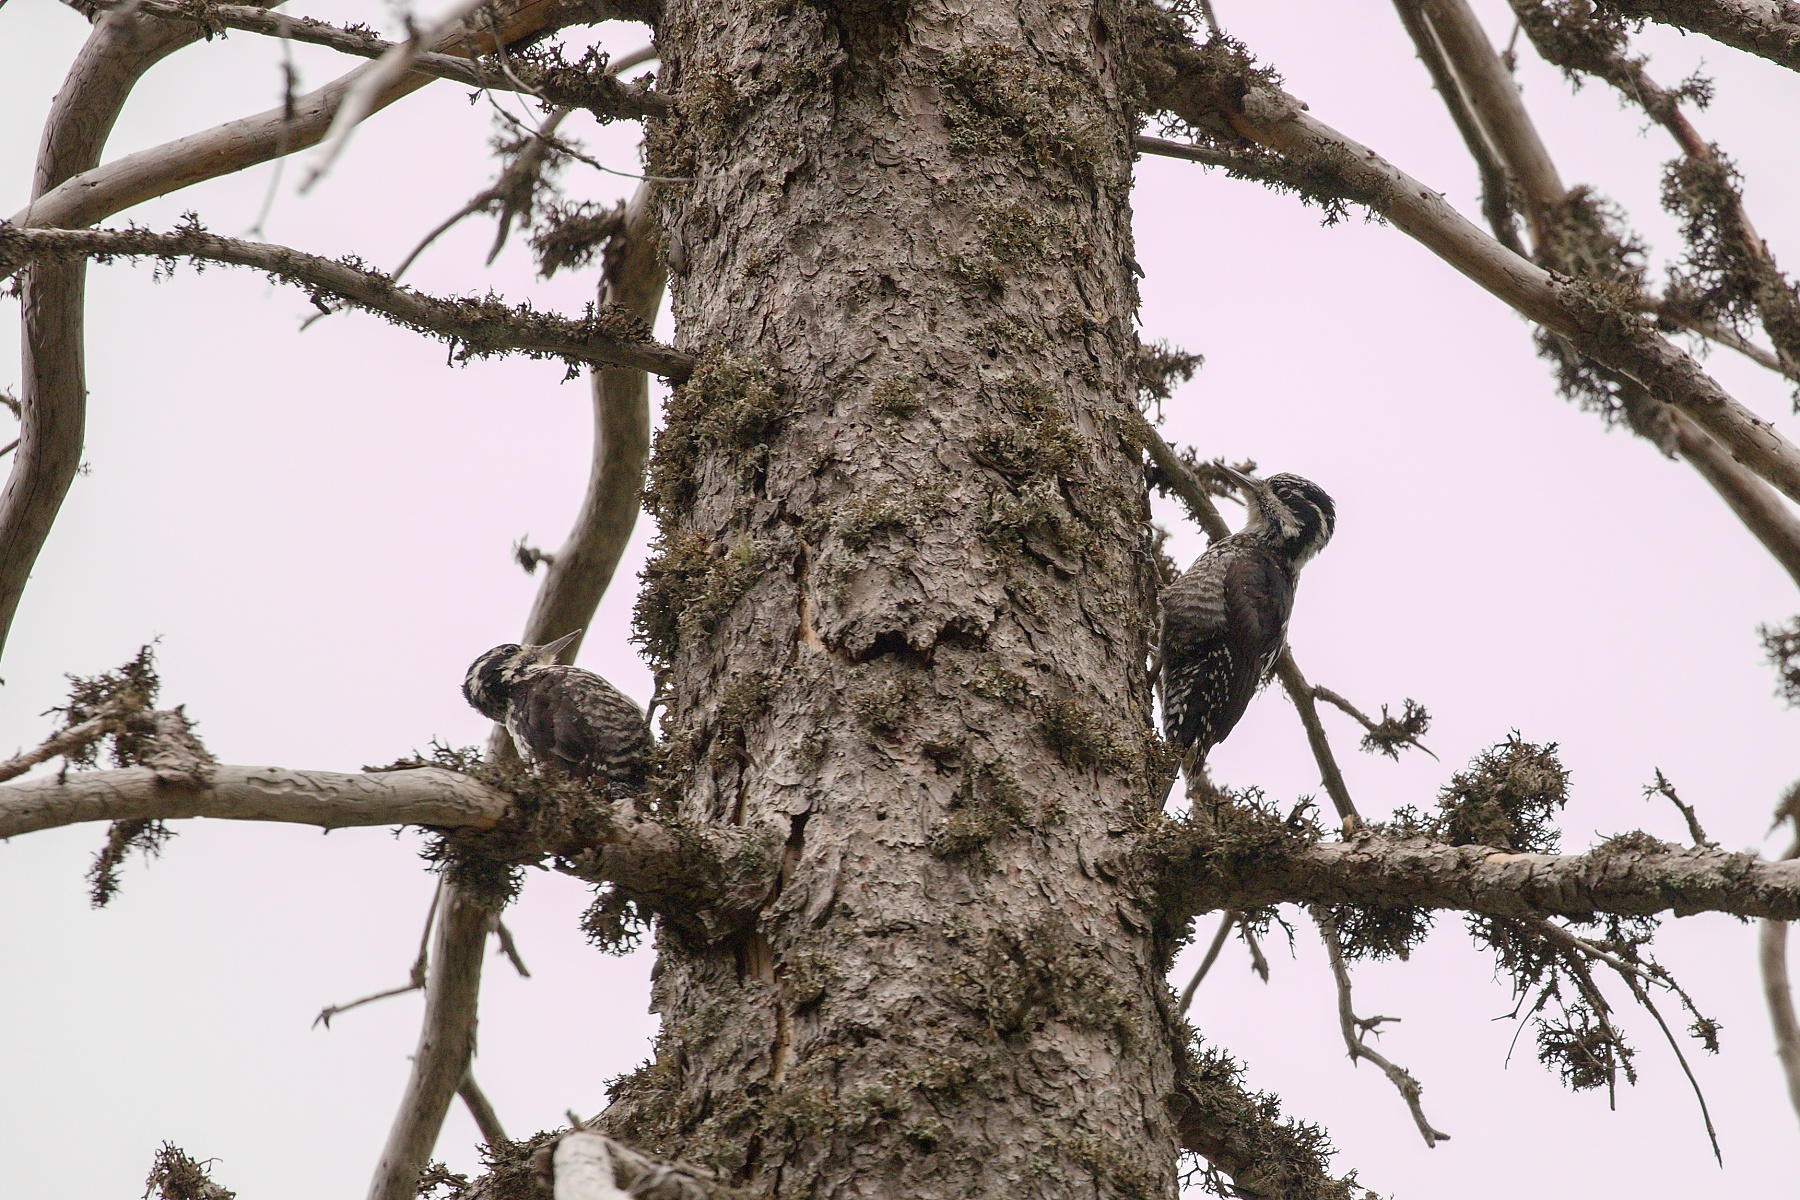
(903,605)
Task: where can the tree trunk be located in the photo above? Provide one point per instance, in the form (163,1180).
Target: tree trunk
(902,603)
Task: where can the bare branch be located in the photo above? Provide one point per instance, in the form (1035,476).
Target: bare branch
(395,62)
(617,101)
(584,1165)
(1778,991)
(578,574)
(474,327)
(1662,787)
(1496,182)
(328,799)
(1495,99)
(1356,1029)
(486,1119)
(1763,512)
(415,978)
(1381,732)
(1767,28)
(1230,918)
(446,1041)
(1300,695)
(54,395)
(97,193)
(1205,89)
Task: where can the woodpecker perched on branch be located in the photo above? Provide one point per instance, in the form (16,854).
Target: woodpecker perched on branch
(1225,620)
(564,717)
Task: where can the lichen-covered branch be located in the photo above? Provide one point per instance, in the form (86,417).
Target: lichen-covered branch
(1252,864)
(1767,28)
(474,327)
(1216,88)
(1242,1134)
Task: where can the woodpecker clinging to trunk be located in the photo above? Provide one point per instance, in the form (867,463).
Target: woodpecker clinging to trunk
(564,717)
(1225,620)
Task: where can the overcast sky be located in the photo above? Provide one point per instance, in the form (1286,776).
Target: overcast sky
(317,527)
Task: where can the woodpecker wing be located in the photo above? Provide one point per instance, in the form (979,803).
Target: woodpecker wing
(1224,622)
(575,720)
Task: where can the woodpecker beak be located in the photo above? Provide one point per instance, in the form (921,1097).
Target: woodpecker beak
(549,650)
(1249,484)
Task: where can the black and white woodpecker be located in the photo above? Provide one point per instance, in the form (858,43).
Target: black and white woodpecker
(562,717)
(1225,620)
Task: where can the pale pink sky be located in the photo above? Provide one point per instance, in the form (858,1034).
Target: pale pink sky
(318,526)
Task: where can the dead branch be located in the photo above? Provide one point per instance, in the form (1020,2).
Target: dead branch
(328,799)
(1207,90)
(1767,28)
(393,65)
(1496,182)
(577,575)
(86,733)
(1583,46)
(1502,113)
(1778,992)
(1636,977)
(486,1119)
(1378,730)
(1230,918)
(1495,99)
(1662,787)
(53,399)
(1201,871)
(618,101)
(475,328)
(96,193)
(415,977)
(584,1165)
(1356,1029)
(566,600)
(446,1042)
(1300,695)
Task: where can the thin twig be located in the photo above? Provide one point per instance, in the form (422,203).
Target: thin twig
(359,102)
(1373,726)
(1258,963)
(509,947)
(1356,1029)
(1230,918)
(1662,787)
(416,976)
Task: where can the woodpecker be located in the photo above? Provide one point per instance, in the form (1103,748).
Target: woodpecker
(564,717)
(1225,620)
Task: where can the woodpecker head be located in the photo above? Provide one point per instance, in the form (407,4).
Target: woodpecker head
(492,677)
(1292,512)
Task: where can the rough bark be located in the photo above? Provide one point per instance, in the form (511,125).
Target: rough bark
(902,606)
(1769,28)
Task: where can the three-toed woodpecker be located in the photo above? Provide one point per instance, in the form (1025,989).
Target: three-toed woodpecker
(563,717)
(1225,620)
